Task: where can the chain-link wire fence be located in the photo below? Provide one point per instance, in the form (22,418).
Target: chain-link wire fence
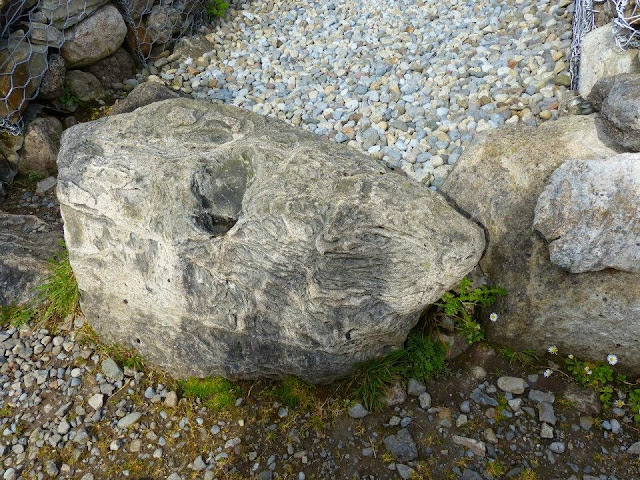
(31,31)
(626,23)
(583,23)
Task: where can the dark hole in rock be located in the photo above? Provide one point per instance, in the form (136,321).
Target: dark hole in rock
(219,188)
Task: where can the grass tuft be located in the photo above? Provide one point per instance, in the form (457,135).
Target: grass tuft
(422,358)
(526,358)
(16,315)
(57,298)
(217,393)
(59,294)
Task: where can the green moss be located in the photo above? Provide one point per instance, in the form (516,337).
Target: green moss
(295,393)
(217,9)
(217,393)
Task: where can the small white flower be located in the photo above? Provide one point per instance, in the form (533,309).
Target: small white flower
(548,372)
(571,357)
(588,371)
(612,359)
(553,349)
(618,403)
(493,317)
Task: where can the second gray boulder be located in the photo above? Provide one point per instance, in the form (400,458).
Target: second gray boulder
(589,213)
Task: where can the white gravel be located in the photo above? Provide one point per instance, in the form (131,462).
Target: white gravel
(408,81)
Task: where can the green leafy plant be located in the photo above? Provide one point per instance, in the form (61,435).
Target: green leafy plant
(16,315)
(68,99)
(217,393)
(602,378)
(35,176)
(217,9)
(460,307)
(421,358)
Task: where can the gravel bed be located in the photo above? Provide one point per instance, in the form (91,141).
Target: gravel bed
(411,82)
(67,410)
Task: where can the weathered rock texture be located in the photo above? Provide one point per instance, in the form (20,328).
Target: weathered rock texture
(498,181)
(589,213)
(41,145)
(26,243)
(144,94)
(217,241)
(620,108)
(114,69)
(94,38)
(7,173)
(601,58)
(52,85)
(84,86)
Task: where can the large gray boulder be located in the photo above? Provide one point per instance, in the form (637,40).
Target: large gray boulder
(217,241)
(589,213)
(498,181)
(26,243)
(94,38)
(600,57)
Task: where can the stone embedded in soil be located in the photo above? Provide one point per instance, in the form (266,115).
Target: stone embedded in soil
(401,446)
(395,395)
(415,388)
(358,411)
(476,446)
(129,420)
(585,400)
(425,400)
(546,431)
(513,385)
(111,370)
(546,413)
(540,396)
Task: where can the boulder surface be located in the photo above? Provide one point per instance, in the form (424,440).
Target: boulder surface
(589,213)
(217,241)
(620,109)
(601,58)
(498,181)
(94,38)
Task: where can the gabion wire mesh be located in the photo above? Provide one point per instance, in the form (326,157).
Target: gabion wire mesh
(627,23)
(31,31)
(153,25)
(583,23)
